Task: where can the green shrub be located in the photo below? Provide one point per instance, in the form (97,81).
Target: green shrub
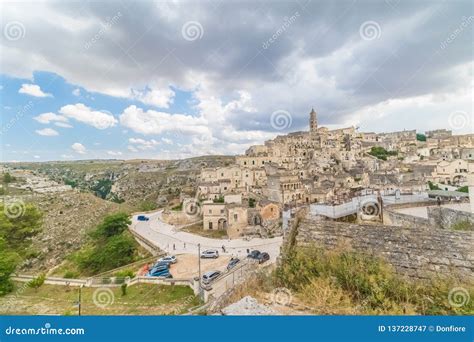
(125,273)
(463,225)
(147,206)
(70,275)
(123,289)
(37,282)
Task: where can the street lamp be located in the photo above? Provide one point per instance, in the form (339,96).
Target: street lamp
(199,262)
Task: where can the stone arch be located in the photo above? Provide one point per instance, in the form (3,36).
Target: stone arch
(222,224)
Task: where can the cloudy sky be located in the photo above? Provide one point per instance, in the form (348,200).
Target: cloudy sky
(156,79)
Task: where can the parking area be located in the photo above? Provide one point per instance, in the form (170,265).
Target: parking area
(187,266)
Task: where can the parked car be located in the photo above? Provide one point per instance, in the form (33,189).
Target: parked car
(209,254)
(210,276)
(253,254)
(262,257)
(142,218)
(232,263)
(162,263)
(159,272)
(159,268)
(170,259)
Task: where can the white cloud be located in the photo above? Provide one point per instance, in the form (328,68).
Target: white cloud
(167,141)
(63,124)
(156,97)
(79,148)
(47,118)
(84,114)
(36,157)
(47,132)
(143,144)
(153,122)
(76,92)
(33,90)
(66,156)
(114,153)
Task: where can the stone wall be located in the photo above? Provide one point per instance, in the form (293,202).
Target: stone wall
(394,218)
(415,252)
(445,218)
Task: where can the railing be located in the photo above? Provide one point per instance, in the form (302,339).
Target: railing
(356,204)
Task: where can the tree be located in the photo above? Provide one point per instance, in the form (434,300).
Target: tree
(8,263)
(112,225)
(37,282)
(114,252)
(17,228)
(8,178)
(420,137)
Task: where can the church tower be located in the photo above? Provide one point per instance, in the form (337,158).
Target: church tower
(313,121)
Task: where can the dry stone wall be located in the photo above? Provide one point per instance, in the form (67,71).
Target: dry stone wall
(415,251)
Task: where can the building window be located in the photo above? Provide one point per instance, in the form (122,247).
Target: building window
(222,211)
(235,217)
(210,225)
(210,211)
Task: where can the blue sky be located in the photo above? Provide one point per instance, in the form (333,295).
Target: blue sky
(168,80)
(23,142)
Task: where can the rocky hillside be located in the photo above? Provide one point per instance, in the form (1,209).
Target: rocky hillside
(67,218)
(131,181)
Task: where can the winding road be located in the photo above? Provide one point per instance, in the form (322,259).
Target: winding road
(168,238)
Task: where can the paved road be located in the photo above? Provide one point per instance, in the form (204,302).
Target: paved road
(168,238)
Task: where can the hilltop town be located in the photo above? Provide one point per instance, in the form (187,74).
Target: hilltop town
(329,167)
(402,197)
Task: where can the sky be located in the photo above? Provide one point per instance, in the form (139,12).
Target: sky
(169,79)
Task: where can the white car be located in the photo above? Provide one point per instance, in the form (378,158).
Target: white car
(210,253)
(210,276)
(170,259)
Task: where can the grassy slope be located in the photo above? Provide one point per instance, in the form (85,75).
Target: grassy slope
(141,299)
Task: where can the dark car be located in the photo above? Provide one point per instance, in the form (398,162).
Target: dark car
(253,254)
(262,257)
(143,218)
(232,263)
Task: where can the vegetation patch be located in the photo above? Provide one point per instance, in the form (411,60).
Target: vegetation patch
(16,231)
(464,225)
(381,153)
(339,281)
(110,246)
(139,299)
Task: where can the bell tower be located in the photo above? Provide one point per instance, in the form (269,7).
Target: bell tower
(313,121)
